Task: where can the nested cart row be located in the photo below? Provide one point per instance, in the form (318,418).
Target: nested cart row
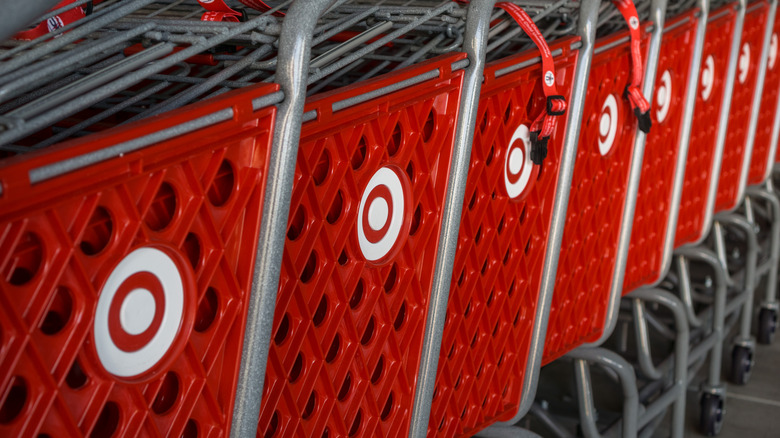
(349,218)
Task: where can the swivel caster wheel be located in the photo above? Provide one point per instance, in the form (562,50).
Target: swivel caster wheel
(767,326)
(711,417)
(741,364)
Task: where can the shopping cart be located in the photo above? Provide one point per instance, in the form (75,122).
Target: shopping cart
(598,199)
(486,364)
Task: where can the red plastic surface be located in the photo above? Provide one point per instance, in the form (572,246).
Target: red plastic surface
(501,252)
(195,198)
(741,107)
(644,264)
(759,160)
(701,149)
(598,193)
(348,332)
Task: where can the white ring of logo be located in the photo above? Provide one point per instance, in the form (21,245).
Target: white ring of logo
(663,96)
(744,63)
(549,78)
(708,77)
(773,51)
(130,364)
(518,161)
(633,22)
(608,124)
(379,212)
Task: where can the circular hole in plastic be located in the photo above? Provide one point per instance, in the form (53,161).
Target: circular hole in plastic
(343,258)
(368,333)
(191,247)
(395,140)
(416,220)
(297,222)
(430,126)
(355,428)
(478,236)
(321,169)
(14,402)
(25,261)
(283,330)
(273,426)
(163,208)
(336,207)
(326,433)
(392,276)
(310,405)
(76,377)
(489,157)
(377,374)
(490,297)
(462,277)
(507,256)
(167,394)
(473,200)
(310,268)
(479,371)
(410,171)
(107,421)
(357,295)
(207,310)
(359,156)
(297,368)
(388,408)
(59,312)
(511,289)
(222,187)
(321,312)
(400,317)
(345,387)
(483,122)
(98,232)
(457,381)
(501,225)
(333,351)
(190,429)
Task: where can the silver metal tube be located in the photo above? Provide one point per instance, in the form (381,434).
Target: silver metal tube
(685,288)
(588,16)
(292,73)
(477,26)
(705,255)
(627,223)
(625,371)
(643,341)
(751,259)
(681,345)
(770,198)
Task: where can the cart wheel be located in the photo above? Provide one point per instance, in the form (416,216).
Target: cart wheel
(711,419)
(741,364)
(767,326)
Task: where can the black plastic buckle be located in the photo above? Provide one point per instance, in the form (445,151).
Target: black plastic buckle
(538,148)
(643,119)
(550,100)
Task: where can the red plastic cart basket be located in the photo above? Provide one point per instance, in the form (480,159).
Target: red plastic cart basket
(734,154)
(126,264)
(359,255)
(648,251)
(761,161)
(596,202)
(698,189)
(503,238)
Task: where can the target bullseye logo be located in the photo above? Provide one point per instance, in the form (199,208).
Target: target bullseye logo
(744,63)
(143,310)
(608,124)
(773,51)
(383,213)
(707,78)
(518,167)
(664,96)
